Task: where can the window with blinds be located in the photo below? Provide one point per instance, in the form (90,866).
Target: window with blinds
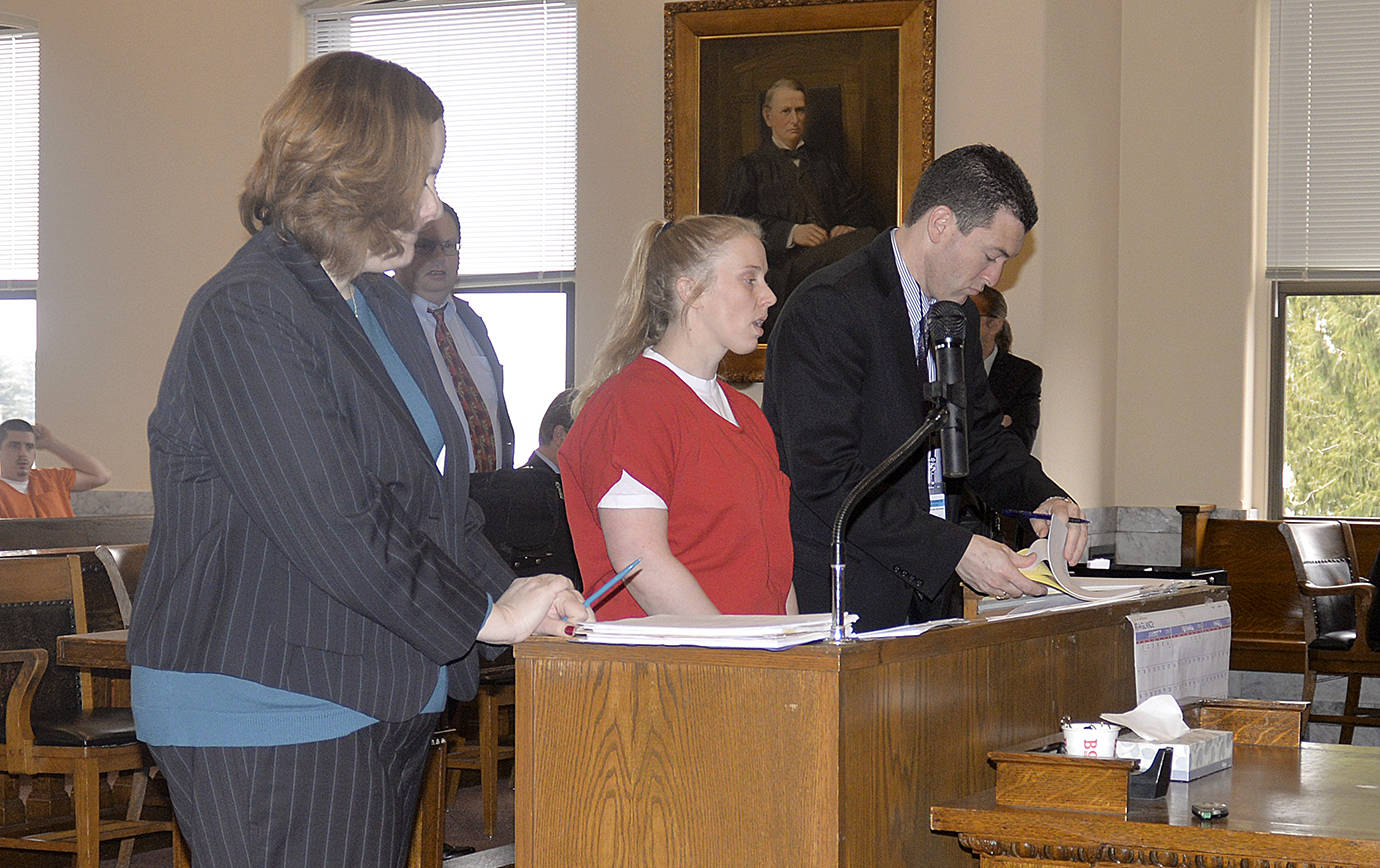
(18,157)
(1323,257)
(1324,169)
(18,218)
(506,74)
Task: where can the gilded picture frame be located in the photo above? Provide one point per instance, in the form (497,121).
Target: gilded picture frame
(873,60)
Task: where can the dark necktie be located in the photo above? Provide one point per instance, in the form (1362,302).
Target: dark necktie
(476,413)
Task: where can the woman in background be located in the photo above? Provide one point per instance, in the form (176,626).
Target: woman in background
(316,583)
(664,461)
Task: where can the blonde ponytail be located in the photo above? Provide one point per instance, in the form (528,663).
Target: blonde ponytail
(664,252)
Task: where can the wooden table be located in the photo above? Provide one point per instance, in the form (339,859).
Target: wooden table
(104,650)
(1311,805)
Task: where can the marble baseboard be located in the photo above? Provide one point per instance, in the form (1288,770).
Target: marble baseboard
(102,501)
(1148,535)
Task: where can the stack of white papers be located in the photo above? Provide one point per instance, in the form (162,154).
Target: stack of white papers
(709,631)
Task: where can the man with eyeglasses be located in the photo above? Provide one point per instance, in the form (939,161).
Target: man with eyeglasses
(460,343)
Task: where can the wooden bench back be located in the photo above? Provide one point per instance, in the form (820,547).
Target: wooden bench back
(1267,610)
(86,530)
(41,599)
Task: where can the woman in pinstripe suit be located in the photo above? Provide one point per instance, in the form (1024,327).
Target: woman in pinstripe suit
(317,581)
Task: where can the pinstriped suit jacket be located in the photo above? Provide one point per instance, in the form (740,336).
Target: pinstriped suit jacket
(302,535)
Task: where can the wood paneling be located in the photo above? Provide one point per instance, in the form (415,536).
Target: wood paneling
(817,755)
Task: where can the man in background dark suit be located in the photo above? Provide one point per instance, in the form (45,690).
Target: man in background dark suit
(1015,382)
(524,507)
(555,425)
(469,366)
(811,212)
(844,388)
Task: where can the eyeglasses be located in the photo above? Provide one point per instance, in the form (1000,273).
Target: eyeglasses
(426,247)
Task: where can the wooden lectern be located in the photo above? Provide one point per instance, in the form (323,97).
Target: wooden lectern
(817,755)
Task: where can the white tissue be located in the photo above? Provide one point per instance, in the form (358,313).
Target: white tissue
(1157,719)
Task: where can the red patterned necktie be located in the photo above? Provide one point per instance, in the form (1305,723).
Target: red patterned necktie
(476,413)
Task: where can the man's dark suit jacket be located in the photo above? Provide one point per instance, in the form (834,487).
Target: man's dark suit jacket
(562,560)
(843,390)
(480,332)
(302,537)
(1015,384)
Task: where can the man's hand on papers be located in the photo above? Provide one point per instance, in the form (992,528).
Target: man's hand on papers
(1078,533)
(991,568)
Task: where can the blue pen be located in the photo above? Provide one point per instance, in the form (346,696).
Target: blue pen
(611,583)
(1043,516)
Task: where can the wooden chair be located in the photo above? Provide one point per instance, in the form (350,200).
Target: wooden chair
(496,691)
(50,727)
(123,563)
(1343,636)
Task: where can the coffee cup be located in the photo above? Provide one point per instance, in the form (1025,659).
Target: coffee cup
(1090,739)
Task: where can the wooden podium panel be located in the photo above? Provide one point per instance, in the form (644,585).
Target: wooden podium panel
(816,755)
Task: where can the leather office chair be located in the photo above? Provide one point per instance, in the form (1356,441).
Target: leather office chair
(123,564)
(1343,636)
(50,727)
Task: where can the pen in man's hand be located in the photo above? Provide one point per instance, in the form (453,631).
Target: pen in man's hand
(1043,516)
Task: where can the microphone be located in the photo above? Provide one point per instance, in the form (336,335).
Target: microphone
(945,329)
(838,630)
(945,332)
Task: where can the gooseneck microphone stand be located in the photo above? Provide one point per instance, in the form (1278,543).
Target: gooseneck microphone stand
(838,632)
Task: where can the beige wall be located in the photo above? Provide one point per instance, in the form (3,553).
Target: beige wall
(149,117)
(1135,122)
(1187,287)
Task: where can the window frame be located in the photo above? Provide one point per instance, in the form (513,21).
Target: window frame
(1298,283)
(533,282)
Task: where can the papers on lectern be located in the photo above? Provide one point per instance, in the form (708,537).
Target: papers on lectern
(709,631)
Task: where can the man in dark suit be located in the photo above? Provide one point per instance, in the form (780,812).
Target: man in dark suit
(1015,382)
(555,425)
(524,507)
(811,212)
(844,388)
(460,345)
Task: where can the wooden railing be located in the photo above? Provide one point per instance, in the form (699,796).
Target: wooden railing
(1267,610)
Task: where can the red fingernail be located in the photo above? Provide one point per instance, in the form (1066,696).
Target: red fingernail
(570,630)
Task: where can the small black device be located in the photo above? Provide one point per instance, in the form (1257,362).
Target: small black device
(1206,811)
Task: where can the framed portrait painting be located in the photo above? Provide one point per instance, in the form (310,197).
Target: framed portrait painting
(866,68)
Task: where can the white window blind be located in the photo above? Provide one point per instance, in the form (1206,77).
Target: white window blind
(506,74)
(1324,152)
(18,158)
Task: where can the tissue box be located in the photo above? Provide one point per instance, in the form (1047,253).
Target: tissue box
(1197,752)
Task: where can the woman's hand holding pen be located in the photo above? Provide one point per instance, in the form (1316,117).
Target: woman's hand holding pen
(534,604)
